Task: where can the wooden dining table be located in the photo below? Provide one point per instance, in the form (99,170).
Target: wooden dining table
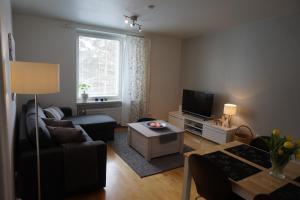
(249,187)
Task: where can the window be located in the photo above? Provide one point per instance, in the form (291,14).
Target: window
(99,60)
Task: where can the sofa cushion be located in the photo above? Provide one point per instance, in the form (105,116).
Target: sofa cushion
(58,123)
(60,112)
(31,110)
(54,112)
(45,139)
(84,133)
(63,135)
(92,119)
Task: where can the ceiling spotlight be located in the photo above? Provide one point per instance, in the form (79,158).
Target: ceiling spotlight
(126,20)
(132,21)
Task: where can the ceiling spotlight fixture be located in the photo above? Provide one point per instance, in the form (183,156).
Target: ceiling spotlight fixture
(126,20)
(132,22)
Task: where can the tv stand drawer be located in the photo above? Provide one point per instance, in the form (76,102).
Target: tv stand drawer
(214,135)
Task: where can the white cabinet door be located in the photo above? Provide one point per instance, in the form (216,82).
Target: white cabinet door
(176,121)
(214,134)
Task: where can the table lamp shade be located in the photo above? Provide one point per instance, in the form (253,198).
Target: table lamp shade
(229,109)
(34,78)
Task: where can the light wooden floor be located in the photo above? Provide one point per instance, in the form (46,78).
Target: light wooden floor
(124,184)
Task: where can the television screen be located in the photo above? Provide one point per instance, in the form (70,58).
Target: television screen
(197,103)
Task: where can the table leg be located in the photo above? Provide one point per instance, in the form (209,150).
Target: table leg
(149,150)
(181,141)
(129,137)
(187,180)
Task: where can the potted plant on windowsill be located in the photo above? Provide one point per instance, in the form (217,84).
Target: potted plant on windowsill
(84,87)
(282,149)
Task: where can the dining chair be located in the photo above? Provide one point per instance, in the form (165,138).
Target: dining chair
(211,182)
(259,143)
(262,197)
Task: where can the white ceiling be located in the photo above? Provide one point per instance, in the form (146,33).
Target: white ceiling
(183,18)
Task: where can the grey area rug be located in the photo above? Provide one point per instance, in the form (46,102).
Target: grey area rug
(139,164)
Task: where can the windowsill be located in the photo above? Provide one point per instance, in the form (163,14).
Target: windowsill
(81,102)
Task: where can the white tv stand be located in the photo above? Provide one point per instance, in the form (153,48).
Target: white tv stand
(201,127)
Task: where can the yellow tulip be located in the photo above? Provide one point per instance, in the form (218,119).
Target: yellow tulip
(298,156)
(280,152)
(276,132)
(288,145)
(289,138)
(298,142)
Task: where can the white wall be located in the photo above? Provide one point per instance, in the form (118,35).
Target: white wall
(40,40)
(46,40)
(256,66)
(165,75)
(7,107)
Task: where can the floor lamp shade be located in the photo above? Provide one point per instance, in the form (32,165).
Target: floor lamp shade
(34,78)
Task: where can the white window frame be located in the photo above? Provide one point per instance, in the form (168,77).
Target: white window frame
(109,36)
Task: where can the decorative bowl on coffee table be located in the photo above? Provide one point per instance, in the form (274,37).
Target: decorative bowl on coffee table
(156,125)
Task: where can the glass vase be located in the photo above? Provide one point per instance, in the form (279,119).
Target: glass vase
(278,165)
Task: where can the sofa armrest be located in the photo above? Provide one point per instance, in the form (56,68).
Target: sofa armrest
(51,167)
(67,111)
(85,166)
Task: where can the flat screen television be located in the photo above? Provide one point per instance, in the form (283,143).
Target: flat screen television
(197,103)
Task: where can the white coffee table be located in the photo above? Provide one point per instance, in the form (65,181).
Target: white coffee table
(148,142)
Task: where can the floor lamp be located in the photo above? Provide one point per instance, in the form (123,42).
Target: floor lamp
(35,78)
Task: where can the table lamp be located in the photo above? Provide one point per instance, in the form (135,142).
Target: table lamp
(229,112)
(35,78)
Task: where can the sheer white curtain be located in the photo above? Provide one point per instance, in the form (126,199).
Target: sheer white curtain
(136,72)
